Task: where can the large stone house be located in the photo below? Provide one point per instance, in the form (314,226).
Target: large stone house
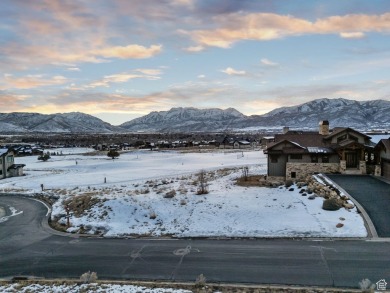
(7,166)
(383,157)
(296,154)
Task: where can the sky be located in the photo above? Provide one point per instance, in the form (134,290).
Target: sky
(121,59)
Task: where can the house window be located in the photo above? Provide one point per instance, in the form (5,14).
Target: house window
(274,158)
(325,159)
(296,157)
(293,174)
(314,159)
(10,159)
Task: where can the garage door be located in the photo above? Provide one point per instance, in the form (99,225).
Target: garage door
(386,169)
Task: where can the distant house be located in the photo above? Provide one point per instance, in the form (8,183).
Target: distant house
(7,166)
(266,140)
(382,150)
(241,144)
(296,154)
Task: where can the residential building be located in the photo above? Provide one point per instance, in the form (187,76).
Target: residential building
(382,150)
(296,154)
(7,166)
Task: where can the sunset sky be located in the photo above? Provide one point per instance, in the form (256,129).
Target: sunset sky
(121,59)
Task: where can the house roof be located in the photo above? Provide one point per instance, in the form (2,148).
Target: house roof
(3,151)
(243,141)
(16,166)
(385,143)
(320,150)
(304,139)
(271,145)
(338,130)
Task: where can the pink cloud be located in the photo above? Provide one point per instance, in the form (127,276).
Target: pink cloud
(268,26)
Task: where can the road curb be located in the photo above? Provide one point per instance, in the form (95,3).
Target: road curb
(371,230)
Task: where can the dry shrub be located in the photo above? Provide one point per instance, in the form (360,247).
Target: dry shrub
(200,281)
(79,204)
(331,204)
(253,180)
(88,277)
(170,194)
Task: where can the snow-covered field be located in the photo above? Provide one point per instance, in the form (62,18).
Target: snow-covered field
(132,201)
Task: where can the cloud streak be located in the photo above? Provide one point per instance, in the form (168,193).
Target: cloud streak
(231,71)
(149,74)
(269,26)
(30,81)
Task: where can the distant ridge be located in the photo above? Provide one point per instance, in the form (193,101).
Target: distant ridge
(74,122)
(340,112)
(364,115)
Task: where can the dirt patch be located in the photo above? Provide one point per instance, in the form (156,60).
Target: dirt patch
(253,180)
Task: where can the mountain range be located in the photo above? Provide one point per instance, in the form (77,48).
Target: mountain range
(339,112)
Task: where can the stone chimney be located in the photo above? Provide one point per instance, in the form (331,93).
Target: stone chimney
(285,129)
(324,127)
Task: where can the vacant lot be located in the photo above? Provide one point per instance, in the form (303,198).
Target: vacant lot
(157,193)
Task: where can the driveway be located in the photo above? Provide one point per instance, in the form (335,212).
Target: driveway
(373,194)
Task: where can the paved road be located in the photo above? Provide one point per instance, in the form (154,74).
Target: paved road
(373,194)
(28,248)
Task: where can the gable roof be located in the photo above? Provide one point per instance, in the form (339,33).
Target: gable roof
(284,141)
(339,130)
(4,151)
(385,143)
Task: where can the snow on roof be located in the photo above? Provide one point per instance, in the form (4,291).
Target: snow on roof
(319,150)
(3,151)
(244,142)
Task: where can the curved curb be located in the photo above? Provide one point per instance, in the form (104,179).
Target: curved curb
(46,218)
(372,233)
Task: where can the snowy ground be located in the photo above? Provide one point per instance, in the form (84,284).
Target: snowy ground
(132,202)
(87,288)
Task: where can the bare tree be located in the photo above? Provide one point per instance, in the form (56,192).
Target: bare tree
(202,183)
(245,173)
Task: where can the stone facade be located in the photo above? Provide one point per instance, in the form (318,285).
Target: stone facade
(302,170)
(363,167)
(343,166)
(276,178)
(378,170)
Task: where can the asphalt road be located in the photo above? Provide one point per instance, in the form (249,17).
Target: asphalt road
(29,248)
(373,194)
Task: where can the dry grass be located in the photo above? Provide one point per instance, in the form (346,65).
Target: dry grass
(253,180)
(207,288)
(81,203)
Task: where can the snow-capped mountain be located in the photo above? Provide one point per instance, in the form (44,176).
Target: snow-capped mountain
(339,112)
(73,122)
(186,119)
